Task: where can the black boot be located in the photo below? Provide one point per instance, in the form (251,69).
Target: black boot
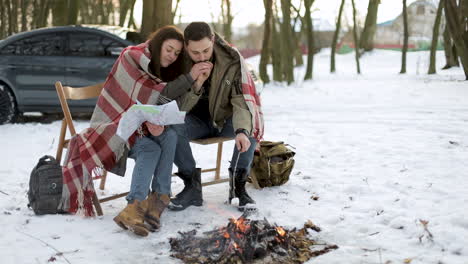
(191,194)
(238,181)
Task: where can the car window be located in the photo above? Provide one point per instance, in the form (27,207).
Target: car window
(51,44)
(91,45)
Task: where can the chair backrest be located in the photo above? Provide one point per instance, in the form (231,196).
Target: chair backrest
(69,93)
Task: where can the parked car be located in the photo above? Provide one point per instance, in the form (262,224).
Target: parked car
(31,62)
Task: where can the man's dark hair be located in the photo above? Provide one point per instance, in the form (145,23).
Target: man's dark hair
(196,31)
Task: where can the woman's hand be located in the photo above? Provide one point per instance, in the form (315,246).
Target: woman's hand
(155,130)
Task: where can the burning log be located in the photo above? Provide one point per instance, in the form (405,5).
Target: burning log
(248,241)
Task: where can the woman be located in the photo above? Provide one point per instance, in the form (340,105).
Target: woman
(149,73)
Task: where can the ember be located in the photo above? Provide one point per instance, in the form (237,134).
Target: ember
(248,241)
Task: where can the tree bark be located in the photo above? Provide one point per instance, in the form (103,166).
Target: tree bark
(310,39)
(405,38)
(156,14)
(227,19)
(2,19)
(59,13)
(435,38)
(370,26)
(451,57)
(276,49)
(335,37)
(73,8)
(356,40)
(131,20)
(266,47)
(286,38)
(457,25)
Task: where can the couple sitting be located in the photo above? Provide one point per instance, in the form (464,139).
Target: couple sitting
(208,79)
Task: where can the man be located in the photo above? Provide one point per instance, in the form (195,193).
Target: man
(225,105)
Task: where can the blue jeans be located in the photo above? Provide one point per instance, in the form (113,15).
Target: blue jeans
(196,128)
(153,156)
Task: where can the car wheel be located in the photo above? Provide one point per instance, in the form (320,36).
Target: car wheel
(8,111)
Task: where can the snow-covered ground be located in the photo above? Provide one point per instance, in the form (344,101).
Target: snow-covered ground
(382,151)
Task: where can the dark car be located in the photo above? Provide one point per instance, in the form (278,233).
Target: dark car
(31,62)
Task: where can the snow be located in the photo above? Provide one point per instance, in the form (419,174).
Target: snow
(382,151)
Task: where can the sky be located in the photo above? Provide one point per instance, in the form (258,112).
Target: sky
(252,11)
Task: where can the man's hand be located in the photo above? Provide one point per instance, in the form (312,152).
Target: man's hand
(242,142)
(204,74)
(199,68)
(155,130)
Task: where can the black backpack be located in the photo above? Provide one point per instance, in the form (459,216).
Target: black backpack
(45,186)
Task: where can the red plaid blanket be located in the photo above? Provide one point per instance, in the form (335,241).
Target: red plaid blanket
(252,99)
(99,146)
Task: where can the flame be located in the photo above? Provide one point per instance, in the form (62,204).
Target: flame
(226,235)
(280,231)
(240,224)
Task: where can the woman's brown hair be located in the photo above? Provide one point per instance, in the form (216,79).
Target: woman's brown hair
(156,41)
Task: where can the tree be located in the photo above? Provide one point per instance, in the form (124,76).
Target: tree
(405,38)
(276,49)
(73,8)
(457,23)
(310,39)
(287,60)
(370,26)
(356,40)
(156,14)
(227,19)
(266,46)
(296,36)
(335,37)
(435,38)
(451,57)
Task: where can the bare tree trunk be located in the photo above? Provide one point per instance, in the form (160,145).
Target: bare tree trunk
(266,47)
(405,38)
(124,6)
(24,15)
(457,24)
(451,58)
(131,20)
(176,8)
(356,40)
(435,38)
(227,19)
(310,39)
(296,42)
(156,14)
(2,19)
(370,26)
(59,13)
(276,49)
(286,37)
(335,37)
(73,8)
(10,18)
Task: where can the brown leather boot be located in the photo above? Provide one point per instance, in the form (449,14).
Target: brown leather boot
(156,203)
(132,217)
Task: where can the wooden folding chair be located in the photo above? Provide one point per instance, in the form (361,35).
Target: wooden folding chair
(217,169)
(66,93)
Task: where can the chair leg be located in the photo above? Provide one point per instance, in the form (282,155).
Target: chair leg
(102,185)
(218,161)
(97,205)
(63,131)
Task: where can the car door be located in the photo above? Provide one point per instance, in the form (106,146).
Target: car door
(90,58)
(38,64)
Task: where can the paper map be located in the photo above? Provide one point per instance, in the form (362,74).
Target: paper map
(166,114)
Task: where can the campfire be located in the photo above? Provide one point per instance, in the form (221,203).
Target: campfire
(249,241)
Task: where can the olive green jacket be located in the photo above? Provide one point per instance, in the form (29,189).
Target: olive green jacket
(225,94)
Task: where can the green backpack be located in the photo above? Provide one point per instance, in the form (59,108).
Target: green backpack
(272,165)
